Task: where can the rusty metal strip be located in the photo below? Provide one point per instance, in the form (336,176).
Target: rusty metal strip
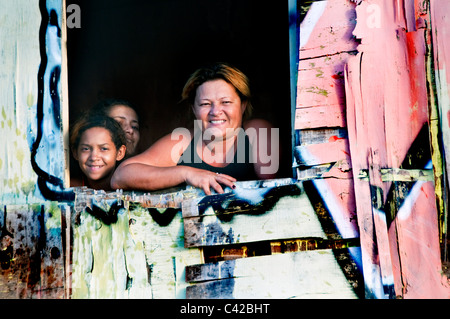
(400,175)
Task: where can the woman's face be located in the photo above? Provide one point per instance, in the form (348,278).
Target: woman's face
(128,120)
(218,106)
(96,154)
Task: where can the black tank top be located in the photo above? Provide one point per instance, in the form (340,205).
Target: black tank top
(241,167)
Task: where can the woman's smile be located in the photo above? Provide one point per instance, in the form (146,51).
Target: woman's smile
(217,121)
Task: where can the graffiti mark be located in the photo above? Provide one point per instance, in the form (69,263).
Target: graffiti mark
(54,80)
(6,254)
(35,258)
(215,235)
(44,177)
(53,21)
(163,219)
(417,157)
(107,217)
(3,231)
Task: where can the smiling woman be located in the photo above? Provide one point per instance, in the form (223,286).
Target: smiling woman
(221,155)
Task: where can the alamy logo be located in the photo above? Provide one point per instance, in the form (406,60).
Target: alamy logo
(73,16)
(373,12)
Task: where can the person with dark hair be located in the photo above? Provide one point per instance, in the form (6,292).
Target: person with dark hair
(216,152)
(126,114)
(97,143)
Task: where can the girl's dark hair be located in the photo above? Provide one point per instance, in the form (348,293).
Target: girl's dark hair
(87,122)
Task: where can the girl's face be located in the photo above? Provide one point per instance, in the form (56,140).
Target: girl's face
(97,155)
(218,106)
(128,120)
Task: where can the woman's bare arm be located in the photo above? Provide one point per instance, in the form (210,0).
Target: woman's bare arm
(264,139)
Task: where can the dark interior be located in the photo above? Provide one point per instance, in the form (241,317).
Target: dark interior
(144,51)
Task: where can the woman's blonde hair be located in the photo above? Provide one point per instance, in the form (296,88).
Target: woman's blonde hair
(216,71)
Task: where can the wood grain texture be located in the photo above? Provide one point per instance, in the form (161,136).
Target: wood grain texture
(387,118)
(280,215)
(32,255)
(307,274)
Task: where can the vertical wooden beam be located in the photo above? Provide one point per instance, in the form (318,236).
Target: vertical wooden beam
(438,75)
(387,114)
(293,61)
(65,96)
(32,263)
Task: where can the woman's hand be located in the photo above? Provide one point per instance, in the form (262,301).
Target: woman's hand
(206,180)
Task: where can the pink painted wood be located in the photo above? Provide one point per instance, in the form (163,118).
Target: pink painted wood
(326,43)
(386,109)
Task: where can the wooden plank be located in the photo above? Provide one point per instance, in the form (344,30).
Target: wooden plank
(321,80)
(308,173)
(381,225)
(107,261)
(322,34)
(320,88)
(165,254)
(322,135)
(19,62)
(306,274)
(319,116)
(162,200)
(371,268)
(316,154)
(439,78)
(337,202)
(16,253)
(66,236)
(52,255)
(32,263)
(248,215)
(320,92)
(387,116)
(419,251)
(400,175)
(65,95)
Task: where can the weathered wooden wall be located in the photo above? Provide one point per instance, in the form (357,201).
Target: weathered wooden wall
(263,240)
(32,120)
(322,147)
(363,119)
(32,254)
(388,123)
(33,245)
(439,101)
(300,253)
(19,65)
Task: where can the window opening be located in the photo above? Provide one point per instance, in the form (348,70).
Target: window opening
(144,51)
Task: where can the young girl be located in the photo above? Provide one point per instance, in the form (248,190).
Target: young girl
(97,143)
